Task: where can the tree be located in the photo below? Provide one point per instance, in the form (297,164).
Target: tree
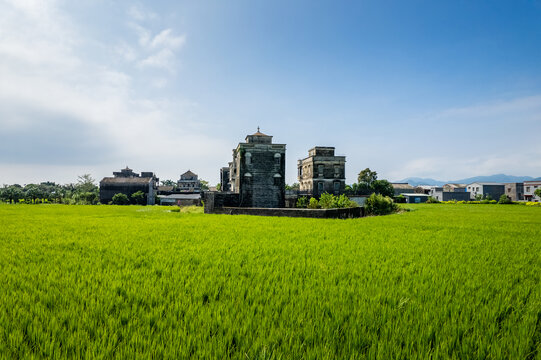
(168,183)
(367,177)
(138,197)
(504,200)
(380,205)
(538,192)
(85,183)
(219,187)
(204,184)
(383,187)
(294,186)
(120,199)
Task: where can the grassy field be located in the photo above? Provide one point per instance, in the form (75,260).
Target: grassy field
(441,281)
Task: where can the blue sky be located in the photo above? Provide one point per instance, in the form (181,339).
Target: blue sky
(420,88)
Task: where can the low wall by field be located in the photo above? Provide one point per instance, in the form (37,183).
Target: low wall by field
(344,213)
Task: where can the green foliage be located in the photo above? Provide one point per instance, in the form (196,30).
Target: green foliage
(504,200)
(204,184)
(440,282)
(138,198)
(168,183)
(380,205)
(313,204)
(302,202)
(401,199)
(294,186)
(120,199)
(478,197)
(367,177)
(432,200)
(383,187)
(537,192)
(327,201)
(219,187)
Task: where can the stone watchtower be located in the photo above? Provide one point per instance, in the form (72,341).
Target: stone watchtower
(322,171)
(257,172)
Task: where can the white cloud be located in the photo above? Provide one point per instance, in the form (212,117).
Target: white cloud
(82,111)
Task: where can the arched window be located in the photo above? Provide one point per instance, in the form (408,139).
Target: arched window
(277,179)
(248,158)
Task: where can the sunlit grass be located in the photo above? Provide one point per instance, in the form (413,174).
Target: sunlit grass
(105,281)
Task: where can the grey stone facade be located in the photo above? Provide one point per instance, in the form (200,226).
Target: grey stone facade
(189,182)
(257,172)
(514,191)
(494,190)
(127,182)
(224,178)
(322,171)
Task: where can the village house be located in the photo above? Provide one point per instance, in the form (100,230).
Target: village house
(529,190)
(189,182)
(127,182)
(494,190)
(514,191)
(402,188)
(454,187)
(439,193)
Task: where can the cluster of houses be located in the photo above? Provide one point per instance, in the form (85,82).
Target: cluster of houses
(524,191)
(255,178)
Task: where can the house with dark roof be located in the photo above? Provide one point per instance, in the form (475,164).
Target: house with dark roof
(127,182)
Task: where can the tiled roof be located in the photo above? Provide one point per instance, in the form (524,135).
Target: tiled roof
(125,180)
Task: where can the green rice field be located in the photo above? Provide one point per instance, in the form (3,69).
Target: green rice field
(103,282)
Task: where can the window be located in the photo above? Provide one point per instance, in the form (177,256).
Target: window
(336,186)
(248,158)
(527,188)
(336,171)
(320,170)
(320,187)
(277,159)
(277,179)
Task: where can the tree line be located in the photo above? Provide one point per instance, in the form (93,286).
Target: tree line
(83,192)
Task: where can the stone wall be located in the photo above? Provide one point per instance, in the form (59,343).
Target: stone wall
(346,213)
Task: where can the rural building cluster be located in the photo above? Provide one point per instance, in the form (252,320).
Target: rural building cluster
(255,178)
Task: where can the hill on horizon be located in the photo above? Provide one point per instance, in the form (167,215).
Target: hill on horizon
(416,181)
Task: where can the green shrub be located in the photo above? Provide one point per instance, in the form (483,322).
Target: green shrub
(432,200)
(380,205)
(313,204)
(327,201)
(120,199)
(504,200)
(138,198)
(302,202)
(400,199)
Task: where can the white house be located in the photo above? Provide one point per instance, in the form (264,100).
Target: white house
(529,190)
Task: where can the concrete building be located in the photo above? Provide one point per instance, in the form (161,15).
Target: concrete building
(257,172)
(514,191)
(529,190)
(494,190)
(127,182)
(189,182)
(402,188)
(180,199)
(322,171)
(440,194)
(454,187)
(416,198)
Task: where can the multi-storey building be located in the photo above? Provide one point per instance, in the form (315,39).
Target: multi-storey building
(485,189)
(257,172)
(322,171)
(189,182)
(127,182)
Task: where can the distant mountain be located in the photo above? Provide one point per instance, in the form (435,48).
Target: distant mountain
(415,181)
(500,178)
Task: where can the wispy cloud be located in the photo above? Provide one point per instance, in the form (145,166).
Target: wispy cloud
(76,111)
